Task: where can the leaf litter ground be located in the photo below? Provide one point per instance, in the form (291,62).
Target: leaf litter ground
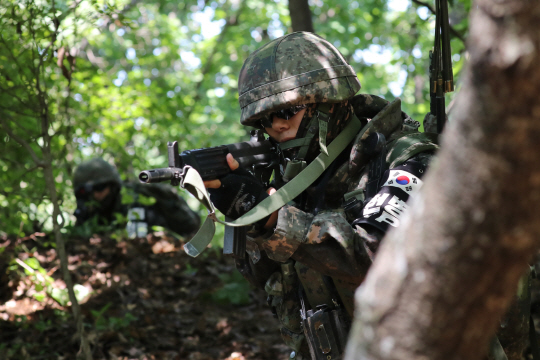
(147,300)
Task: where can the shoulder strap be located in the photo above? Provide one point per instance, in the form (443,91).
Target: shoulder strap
(194,184)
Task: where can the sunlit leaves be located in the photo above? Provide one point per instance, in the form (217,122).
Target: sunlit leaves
(144,73)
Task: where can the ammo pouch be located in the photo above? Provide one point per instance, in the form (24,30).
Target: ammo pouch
(326,332)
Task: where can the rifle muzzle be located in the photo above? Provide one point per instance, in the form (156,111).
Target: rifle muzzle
(157,175)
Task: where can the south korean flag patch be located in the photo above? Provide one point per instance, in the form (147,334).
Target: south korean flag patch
(404,180)
(387,207)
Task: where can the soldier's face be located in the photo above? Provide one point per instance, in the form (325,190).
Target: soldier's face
(283,130)
(102,194)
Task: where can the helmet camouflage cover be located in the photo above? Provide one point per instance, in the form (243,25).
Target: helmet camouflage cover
(95,171)
(295,69)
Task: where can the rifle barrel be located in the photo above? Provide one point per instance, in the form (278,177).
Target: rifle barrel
(158,175)
(448,77)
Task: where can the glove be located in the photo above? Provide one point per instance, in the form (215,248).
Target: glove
(239,192)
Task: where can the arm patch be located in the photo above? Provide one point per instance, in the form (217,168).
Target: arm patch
(388,205)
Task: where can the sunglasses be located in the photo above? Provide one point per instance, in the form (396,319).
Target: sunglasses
(282,114)
(87,189)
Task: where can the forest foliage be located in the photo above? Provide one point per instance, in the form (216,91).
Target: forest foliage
(119,79)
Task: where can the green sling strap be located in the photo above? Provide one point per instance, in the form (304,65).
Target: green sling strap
(194,184)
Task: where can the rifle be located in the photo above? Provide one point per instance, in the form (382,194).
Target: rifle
(256,155)
(259,155)
(441,78)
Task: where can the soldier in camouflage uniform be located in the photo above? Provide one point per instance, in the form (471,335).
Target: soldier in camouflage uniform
(313,253)
(101,194)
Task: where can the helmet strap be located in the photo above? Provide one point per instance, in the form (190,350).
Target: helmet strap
(303,142)
(323,117)
(302,152)
(319,120)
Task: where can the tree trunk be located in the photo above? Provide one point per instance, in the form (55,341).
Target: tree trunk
(442,281)
(85,351)
(300,16)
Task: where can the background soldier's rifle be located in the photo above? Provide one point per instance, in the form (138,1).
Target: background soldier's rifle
(441,78)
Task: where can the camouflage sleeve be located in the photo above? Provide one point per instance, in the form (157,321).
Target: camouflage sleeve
(335,245)
(176,216)
(170,210)
(325,241)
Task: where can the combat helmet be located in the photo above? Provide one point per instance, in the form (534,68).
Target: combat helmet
(296,69)
(95,171)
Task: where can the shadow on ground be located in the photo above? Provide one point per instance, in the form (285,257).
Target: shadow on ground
(148,300)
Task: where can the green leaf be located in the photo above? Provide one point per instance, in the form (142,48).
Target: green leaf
(146,200)
(33,263)
(132,93)
(81,292)
(39,296)
(127,197)
(235,290)
(61,296)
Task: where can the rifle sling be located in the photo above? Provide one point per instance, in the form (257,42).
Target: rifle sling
(194,184)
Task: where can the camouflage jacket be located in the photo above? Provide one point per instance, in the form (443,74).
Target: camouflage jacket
(137,207)
(314,234)
(162,207)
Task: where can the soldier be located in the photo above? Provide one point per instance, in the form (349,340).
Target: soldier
(98,189)
(312,254)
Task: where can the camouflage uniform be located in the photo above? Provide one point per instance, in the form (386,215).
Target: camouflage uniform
(144,206)
(324,240)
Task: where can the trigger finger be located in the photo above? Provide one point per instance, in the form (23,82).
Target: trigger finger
(233,164)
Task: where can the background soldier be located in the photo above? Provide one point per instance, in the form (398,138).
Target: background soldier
(315,251)
(101,194)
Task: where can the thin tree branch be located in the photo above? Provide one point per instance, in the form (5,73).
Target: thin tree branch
(13,57)
(231,21)
(15,111)
(13,95)
(452,30)
(124,10)
(28,171)
(23,143)
(85,350)
(421,3)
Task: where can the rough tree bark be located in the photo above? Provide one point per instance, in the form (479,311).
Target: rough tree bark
(441,282)
(300,16)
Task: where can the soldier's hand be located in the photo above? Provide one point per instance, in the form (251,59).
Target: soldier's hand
(237,192)
(216,184)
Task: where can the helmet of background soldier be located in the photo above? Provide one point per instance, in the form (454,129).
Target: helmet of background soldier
(296,69)
(95,171)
